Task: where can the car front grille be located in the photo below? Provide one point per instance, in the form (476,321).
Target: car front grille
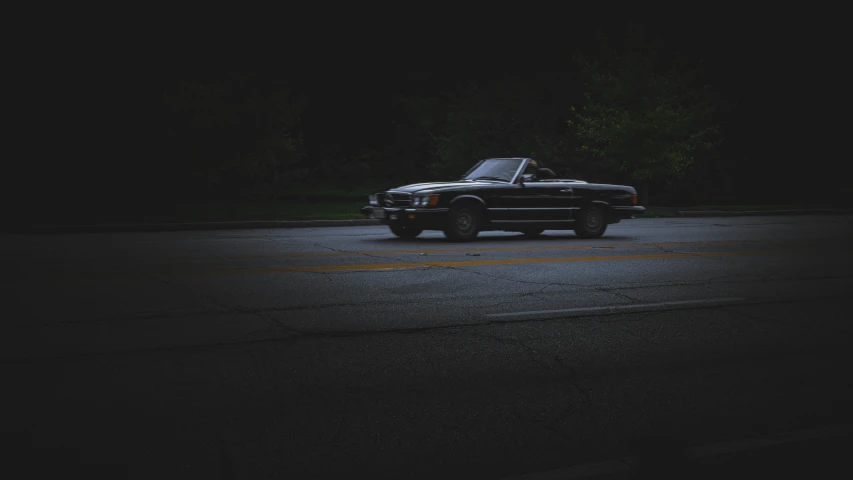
(395,200)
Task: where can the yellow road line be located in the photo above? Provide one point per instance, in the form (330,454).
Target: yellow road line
(492,249)
(465,263)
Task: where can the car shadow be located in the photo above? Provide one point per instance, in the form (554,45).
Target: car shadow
(543,239)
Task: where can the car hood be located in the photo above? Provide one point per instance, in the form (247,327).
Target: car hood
(432,187)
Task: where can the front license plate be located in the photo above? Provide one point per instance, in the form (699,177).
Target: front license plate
(378,214)
(393,216)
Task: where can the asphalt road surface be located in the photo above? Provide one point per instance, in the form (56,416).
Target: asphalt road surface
(310,352)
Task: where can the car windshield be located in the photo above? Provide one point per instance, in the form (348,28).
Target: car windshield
(501,169)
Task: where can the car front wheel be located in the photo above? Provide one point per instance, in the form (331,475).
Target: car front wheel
(591,223)
(405,232)
(463,223)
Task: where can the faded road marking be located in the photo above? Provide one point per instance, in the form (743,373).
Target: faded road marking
(456,264)
(526,247)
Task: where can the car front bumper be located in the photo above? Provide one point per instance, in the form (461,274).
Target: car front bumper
(423,218)
(621,213)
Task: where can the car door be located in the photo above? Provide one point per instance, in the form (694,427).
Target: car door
(547,201)
(533,202)
(501,200)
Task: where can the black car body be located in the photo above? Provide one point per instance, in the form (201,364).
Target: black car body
(505,194)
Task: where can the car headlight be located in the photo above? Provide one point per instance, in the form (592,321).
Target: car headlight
(425,200)
(373,200)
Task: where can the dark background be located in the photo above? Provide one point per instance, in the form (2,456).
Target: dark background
(133,133)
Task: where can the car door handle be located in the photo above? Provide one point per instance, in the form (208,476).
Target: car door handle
(567,190)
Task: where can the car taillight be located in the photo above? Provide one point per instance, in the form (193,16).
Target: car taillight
(634,199)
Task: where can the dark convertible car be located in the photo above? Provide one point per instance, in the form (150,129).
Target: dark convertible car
(507,194)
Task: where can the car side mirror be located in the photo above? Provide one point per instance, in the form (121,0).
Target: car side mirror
(545,173)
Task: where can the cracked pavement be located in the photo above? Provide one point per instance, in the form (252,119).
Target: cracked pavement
(160,351)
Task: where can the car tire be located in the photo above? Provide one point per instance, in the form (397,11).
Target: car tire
(463,222)
(591,223)
(533,233)
(405,232)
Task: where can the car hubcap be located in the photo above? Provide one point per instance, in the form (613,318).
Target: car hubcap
(464,222)
(593,220)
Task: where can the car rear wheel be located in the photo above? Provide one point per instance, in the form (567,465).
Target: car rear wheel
(405,232)
(591,223)
(532,233)
(463,222)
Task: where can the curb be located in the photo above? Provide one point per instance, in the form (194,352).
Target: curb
(758,213)
(167,227)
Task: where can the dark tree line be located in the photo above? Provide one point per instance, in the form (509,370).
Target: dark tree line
(623,119)
(694,124)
